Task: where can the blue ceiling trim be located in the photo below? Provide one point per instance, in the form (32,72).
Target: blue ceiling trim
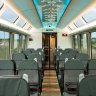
(65,5)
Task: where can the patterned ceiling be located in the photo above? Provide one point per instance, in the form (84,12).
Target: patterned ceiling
(51,11)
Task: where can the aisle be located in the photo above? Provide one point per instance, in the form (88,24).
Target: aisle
(50,86)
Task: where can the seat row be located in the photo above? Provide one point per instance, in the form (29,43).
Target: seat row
(30,66)
(16,86)
(27,67)
(63,55)
(30,55)
(70,69)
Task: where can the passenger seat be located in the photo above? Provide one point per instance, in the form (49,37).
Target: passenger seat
(13,86)
(72,70)
(7,67)
(87,86)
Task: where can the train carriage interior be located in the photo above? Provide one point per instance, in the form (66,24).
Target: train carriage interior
(47,47)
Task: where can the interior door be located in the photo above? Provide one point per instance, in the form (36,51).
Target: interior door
(49,43)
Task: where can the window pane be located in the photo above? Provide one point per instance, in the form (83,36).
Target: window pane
(9,15)
(79,22)
(23,42)
(90,15)
(16,43)
(4,45)
(26,26)
(83,43)
(76,42)
(1,4)
(72,27)
(20,23)
(29,28)
(93,42)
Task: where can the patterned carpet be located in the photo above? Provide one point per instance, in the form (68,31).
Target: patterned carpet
(50,86)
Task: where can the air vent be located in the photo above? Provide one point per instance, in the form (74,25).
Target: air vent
(49,29)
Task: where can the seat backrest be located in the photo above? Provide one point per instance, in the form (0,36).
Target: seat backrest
(67,50)
(40,49)
(7,67)
(64,56)
(38,57)
(35,55)
(72,69)
(73,52)
(82,56)
(13,86)
(31,49)
(26,52)
(87,86)
(18,56)
(29,67)
(92,67)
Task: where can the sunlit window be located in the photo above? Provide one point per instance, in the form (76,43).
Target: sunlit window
(83,43)
(16,43)
(93,44)
(76,42)
(72,26)
(26,26)
(4,45)
(79,22)
(69,28)
(90,15)
(23,42)
(29,28)
(9,15)
(21,22)
(1,4)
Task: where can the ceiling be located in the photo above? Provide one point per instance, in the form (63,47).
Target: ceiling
(51,11)
(75,8)
(28,9)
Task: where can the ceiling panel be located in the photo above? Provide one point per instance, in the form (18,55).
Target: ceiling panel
(76,7)
(28,9)
(51,11)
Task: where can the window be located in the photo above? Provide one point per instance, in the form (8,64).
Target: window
(83,43)
(16,43)
(9,15)
(29,28)
(4,45)
(93,44)
(26,27)
(90,15)
(79,22)
(72,26)
(21,22)
(76,42)
(23,42)
(1,4)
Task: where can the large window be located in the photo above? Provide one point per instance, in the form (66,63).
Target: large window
(23,42)
(93,44)
(79,22)
(72,26)
(9,15)
(76,42)
(26,27)
(83,43)
(4,45)
(1,4)
(90,15)
(16,43)
(21,22)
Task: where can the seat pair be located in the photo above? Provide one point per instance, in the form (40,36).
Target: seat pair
(70,75)
(14,86)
